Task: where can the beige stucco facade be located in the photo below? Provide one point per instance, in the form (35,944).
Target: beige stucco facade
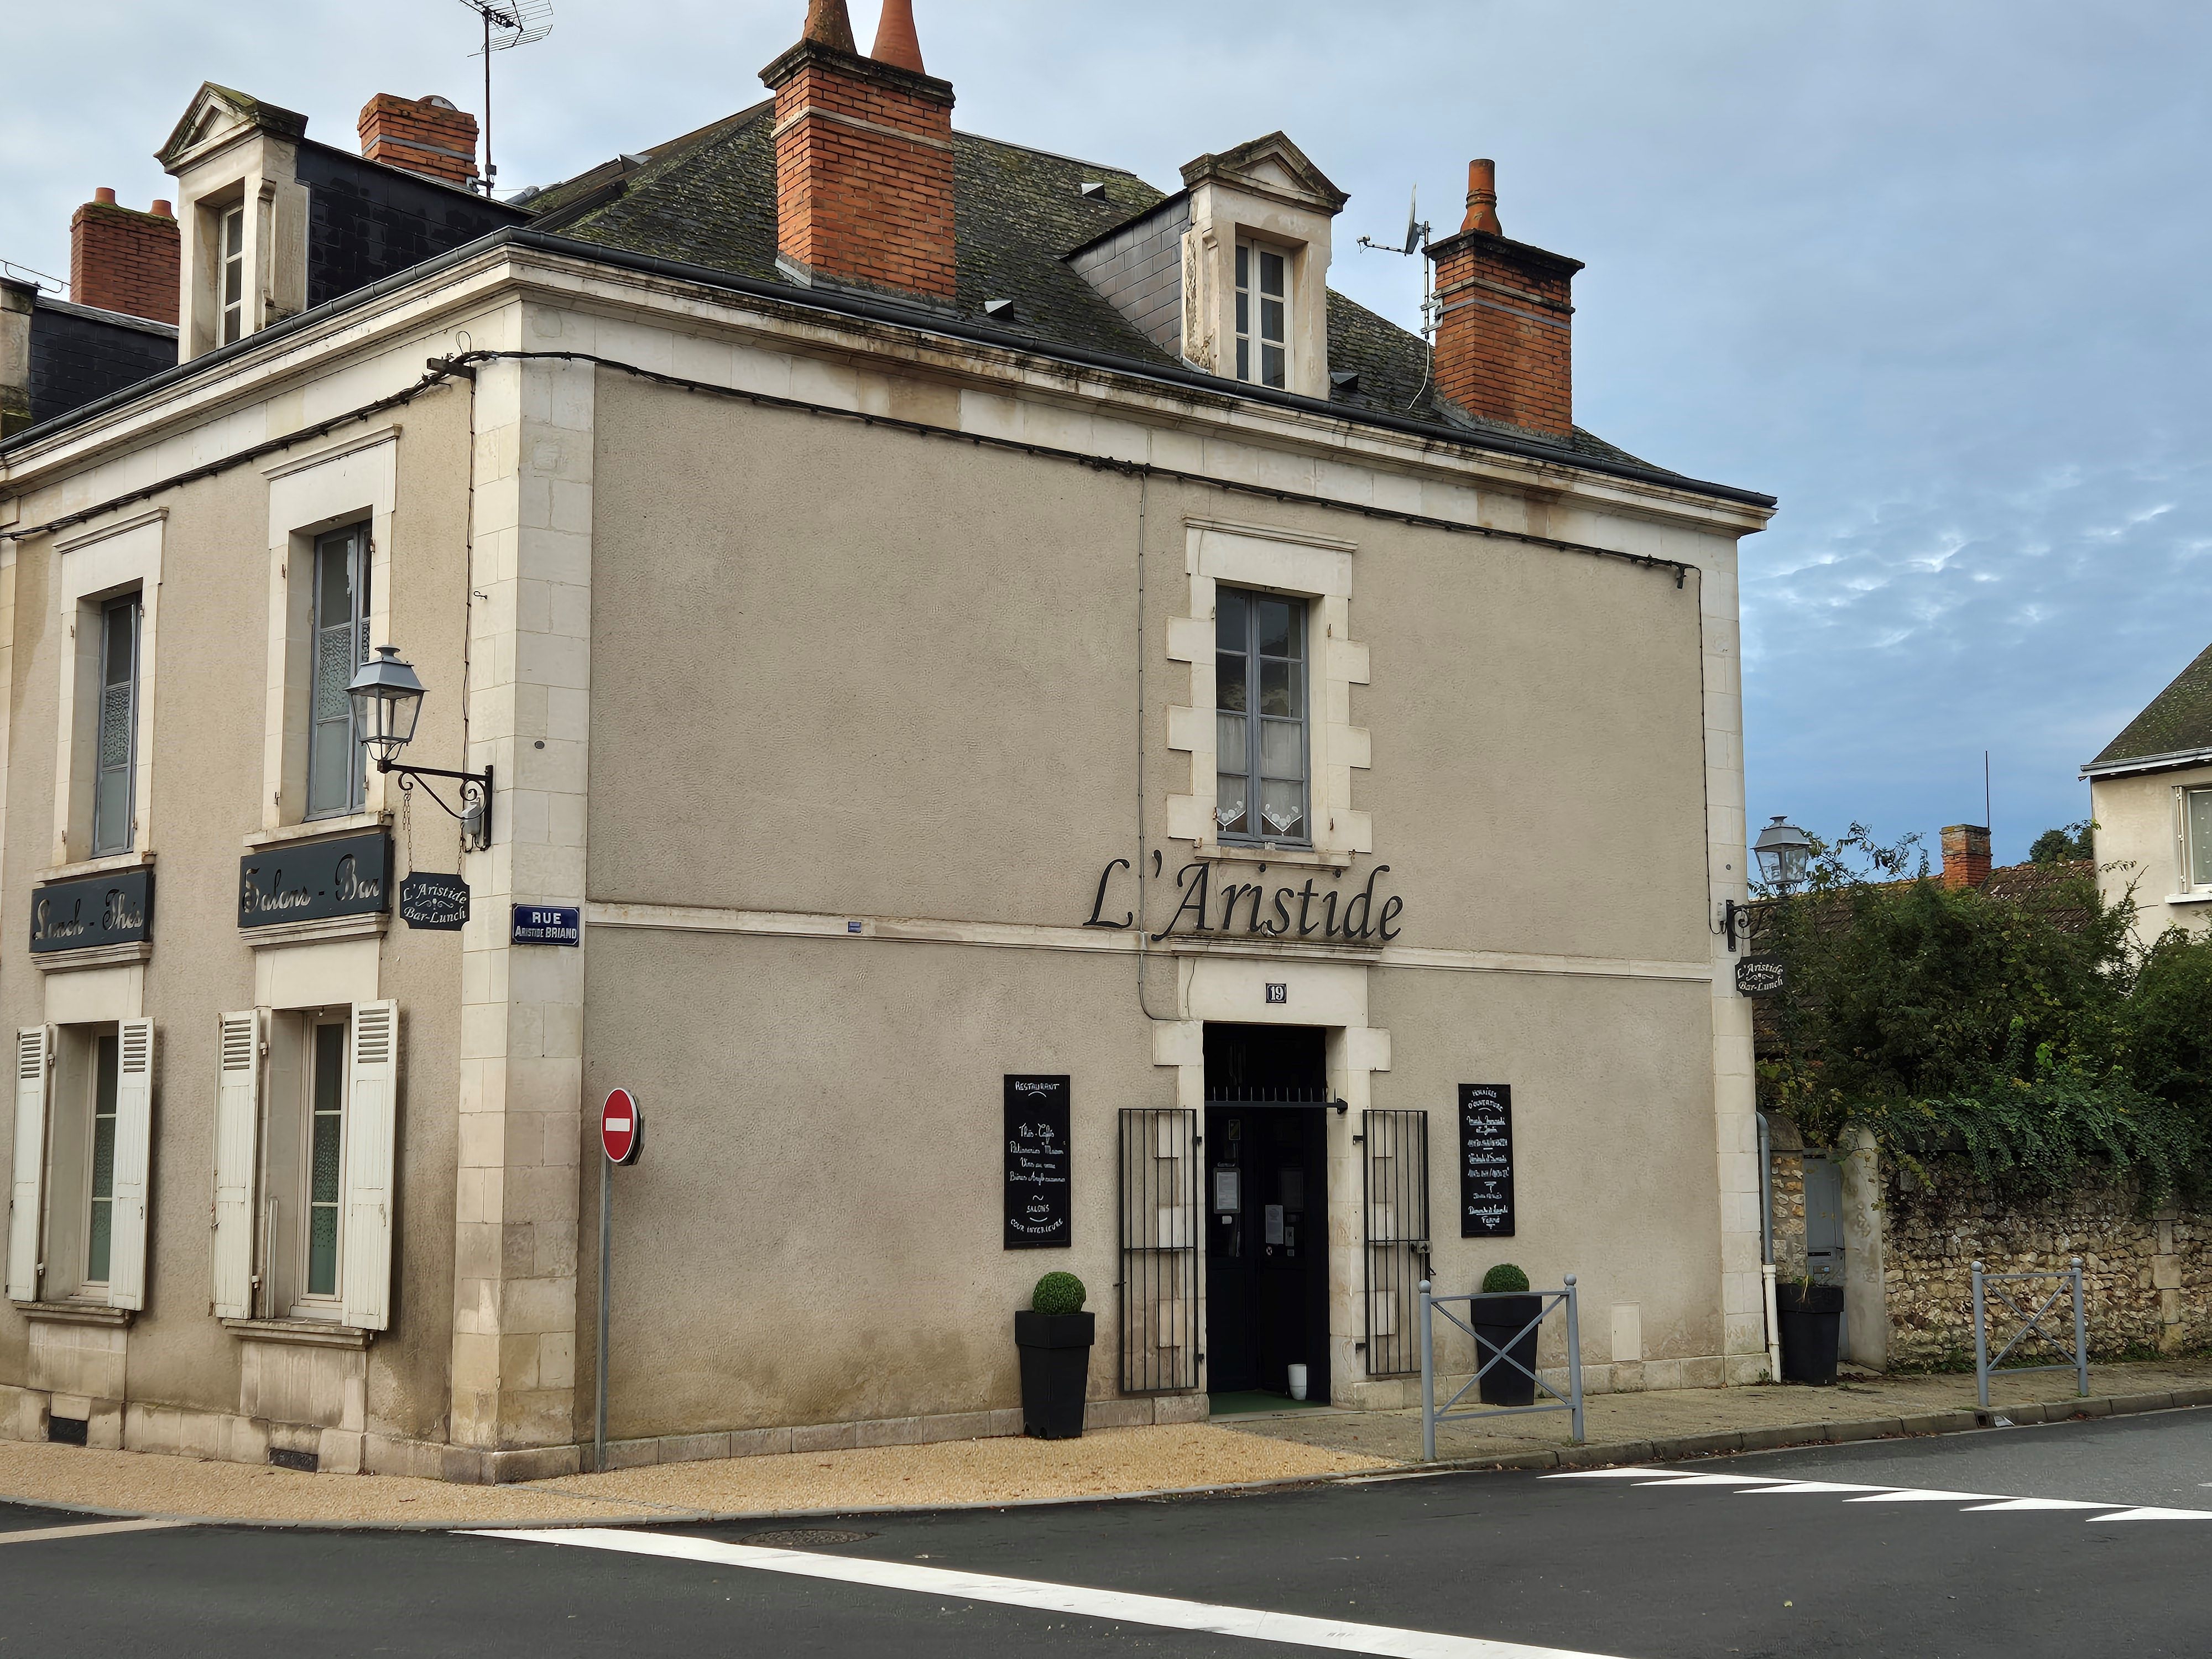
(2143,846)
(828,678)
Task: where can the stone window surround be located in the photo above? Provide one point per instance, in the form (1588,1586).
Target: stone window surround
(1319,570)
(91,569)
(340,484)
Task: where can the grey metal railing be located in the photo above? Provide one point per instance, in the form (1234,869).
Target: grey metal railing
(1984,1363)
(1571,1401)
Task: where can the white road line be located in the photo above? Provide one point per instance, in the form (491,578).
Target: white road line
(91,1529)
(2155,1514)
(1971,1503)
(1166,1613)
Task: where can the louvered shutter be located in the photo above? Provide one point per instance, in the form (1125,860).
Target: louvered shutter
(371,1114)
(134,1154)
(34,1048)
(237,1133)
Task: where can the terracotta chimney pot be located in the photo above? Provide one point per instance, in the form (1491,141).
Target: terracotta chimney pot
(1482,198)
(161,210)
(828,24)
(895,42)
(104,195)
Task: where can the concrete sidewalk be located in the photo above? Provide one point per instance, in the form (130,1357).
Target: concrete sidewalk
(1699,1422)
(1245,1450)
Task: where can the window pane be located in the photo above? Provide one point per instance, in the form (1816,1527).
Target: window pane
(1229,681)
(1275,627)
(1271,365)
(234,232)
(1278,687)
(1271,320)
(334,581)
(1229,804)
(1229,619)
(1282,749)
(120,617)
(233,276)
(1243,360)
(1271,273)
(2200,835)
(323,1250)
(1283,809)
(1243,266)
(1230,741)
(110,812)
(1244,314)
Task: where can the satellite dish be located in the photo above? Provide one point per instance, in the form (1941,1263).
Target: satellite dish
(507,24)
(1414,225)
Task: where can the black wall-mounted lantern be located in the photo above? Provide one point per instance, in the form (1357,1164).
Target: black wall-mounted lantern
(387,700)
(1782,850)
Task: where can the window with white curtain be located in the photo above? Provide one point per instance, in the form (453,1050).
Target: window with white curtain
(1259,695)
(2196,838)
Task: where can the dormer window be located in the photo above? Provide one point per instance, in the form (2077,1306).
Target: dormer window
(231,246)
(1263,314)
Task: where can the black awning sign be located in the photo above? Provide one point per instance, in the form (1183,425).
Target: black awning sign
(80,915)
(1039,1212)
(1485,1160)
(315,880)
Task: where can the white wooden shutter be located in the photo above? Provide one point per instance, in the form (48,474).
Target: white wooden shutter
(134,1152)
(237,1131)
(34,1048)
(370,1121)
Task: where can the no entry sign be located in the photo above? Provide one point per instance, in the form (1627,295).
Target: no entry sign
(621,1130)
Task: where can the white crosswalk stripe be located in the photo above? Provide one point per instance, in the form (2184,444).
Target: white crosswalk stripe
(1970,1503)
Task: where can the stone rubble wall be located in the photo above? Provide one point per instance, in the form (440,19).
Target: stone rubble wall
(2146,1285)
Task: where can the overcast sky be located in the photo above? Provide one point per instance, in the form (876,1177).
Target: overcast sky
(1935,274)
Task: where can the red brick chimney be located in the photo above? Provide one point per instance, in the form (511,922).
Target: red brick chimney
(863,157)
(124,260)
(1965,855)
(424,135)
(1504,333)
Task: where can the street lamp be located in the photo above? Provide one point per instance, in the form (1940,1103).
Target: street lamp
(1782,850)
(387,700)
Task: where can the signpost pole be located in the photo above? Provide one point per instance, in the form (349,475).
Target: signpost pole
(606,1260)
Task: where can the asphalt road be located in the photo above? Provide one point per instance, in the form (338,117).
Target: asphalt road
(1731,1556)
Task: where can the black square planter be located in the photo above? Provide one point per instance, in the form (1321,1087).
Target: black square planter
(1055,1371)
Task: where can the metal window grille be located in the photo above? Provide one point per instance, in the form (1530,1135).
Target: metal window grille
(1395,1202)
(1159,1237)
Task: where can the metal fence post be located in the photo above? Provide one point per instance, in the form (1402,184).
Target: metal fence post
(1428,1382)
(2081,1333)
(1981,1345)
(1574,1362)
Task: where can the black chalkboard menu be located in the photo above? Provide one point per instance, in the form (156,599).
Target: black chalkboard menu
(1485,1160)
(1038,1213)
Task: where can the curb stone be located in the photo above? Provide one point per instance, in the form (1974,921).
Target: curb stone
(1672,1448)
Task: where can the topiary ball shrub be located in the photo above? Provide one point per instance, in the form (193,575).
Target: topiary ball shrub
(1058,1293)
(1504,1277)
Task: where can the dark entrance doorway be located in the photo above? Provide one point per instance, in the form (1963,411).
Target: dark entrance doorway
(1267,1190)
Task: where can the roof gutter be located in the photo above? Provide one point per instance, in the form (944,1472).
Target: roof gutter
(871,309)
(2167,762)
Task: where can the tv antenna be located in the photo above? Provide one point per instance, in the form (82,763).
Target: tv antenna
(1417,241)
(507,24)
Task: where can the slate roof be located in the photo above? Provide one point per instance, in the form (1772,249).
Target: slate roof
(708,198)
(2178,721)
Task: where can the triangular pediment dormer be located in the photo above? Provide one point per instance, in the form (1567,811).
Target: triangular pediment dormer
(1271,166)
(216,115)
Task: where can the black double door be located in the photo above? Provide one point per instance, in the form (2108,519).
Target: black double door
(1267,1202)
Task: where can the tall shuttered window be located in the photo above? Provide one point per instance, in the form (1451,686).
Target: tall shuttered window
(100,1240)
(116,747)
(336,772)
(326,1156)
(2196,834)
(1263,314)
(1260,685)
(231,244)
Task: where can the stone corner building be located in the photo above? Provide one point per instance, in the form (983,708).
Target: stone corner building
(946,618)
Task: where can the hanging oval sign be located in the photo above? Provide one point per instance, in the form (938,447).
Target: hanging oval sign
(435,901)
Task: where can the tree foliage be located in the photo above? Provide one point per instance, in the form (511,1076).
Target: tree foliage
(2029,1041)
(2068,844)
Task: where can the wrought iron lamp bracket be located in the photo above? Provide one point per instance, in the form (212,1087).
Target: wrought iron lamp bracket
(474,794)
